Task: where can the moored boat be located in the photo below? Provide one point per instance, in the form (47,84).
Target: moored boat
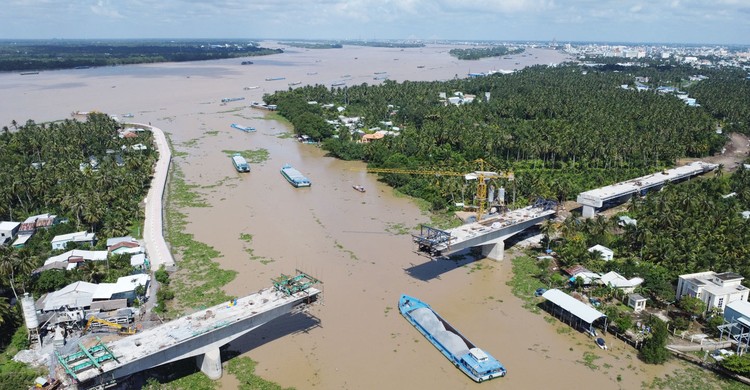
(601,343)
(240,164)
(474,362)
(294,177)
(232,99)
(246,129)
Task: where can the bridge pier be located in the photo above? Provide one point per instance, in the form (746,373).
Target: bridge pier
(210,363)
(588,211)
(494,250)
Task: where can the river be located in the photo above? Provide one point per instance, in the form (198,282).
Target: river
(352,241)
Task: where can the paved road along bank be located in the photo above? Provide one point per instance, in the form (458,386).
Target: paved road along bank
(153,233)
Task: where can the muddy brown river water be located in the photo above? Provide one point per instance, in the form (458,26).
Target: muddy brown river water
(355,339)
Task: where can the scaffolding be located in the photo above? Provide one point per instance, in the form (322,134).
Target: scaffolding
(737,330)
(291,285)
(429,238)
(85,358)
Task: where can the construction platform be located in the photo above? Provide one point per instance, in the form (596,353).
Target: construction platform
(197,335)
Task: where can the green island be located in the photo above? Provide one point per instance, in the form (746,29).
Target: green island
(38,55)
(484,52)
(396,44)
(561,131)
(313,45)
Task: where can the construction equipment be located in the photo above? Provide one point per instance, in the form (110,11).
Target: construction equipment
(121,329)
(481,176)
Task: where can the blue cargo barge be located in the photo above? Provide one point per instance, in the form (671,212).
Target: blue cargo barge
(474,362)
(294,177)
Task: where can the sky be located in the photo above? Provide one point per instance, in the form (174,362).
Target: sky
(664,21)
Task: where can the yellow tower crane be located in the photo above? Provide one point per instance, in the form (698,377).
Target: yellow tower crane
(481,176)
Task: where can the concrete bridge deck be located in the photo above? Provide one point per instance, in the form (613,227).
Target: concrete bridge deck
(197,335)
(593,199)
(489,233)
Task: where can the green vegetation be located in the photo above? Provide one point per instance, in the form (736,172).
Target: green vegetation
(199,281)
(15,375)
(396,44)
(739,364)
(654,349)
(525,281)
(692,379)
(256,156)
(561,130)
(313,45)
(589,359)
(484,52)
(243,369)
(45,55)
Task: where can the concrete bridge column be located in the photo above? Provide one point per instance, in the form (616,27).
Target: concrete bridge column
(588,211)
(210,363)
(494,249)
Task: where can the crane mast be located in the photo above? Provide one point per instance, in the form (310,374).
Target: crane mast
(481,176)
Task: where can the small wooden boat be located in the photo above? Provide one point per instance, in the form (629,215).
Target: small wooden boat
(359,188)
(600,343)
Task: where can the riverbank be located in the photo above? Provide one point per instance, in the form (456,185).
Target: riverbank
(357,243)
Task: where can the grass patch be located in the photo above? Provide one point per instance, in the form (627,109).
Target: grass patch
(191,142)
(692,378)
(524,282)
(398,229)
(199,281)
(274,116)
(256,156)
(589,359)
(211,132)
(243,368)
(341,248)
(221,182)
(248,239)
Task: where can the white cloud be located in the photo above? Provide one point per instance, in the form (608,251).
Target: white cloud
(104,8)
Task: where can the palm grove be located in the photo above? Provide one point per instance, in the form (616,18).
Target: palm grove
(563,130)
(43,173)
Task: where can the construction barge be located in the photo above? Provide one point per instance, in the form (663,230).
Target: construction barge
(199,335)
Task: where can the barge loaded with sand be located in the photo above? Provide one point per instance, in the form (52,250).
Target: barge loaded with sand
(294,177)
(474,362)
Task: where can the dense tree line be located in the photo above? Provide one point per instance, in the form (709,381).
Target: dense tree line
(562,130)
(46,55)
(43,173)
(476,53)
(313,45)
(685,228)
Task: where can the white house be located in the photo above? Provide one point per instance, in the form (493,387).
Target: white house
(605,252)
(615,280)
(72,258)
(715,290)
(59,242)
(637,302)
(8,231)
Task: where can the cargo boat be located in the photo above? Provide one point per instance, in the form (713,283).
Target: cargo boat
(246,129)
(233,99)
(240,164)
(294,177)
(474,362)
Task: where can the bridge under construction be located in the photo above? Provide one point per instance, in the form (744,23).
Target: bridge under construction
(489,234)
(196,335)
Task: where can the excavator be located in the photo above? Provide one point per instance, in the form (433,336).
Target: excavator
(121,329)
